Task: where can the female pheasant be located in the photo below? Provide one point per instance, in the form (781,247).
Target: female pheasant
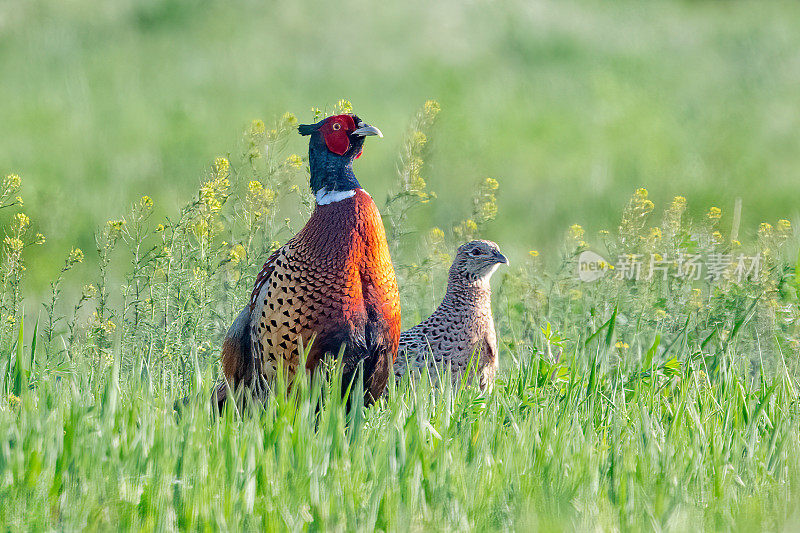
(460,332)
(332,285)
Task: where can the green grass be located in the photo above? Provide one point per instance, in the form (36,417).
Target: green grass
(633,449)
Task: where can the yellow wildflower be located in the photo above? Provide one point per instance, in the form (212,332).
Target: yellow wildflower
(418,138)
(622,345)
(717,236)
(212,190)
(576,232)
(18,199)
(534,253)
(466,229)
(436,235)
(344,106)
(160,228)
(21,221)
(12,181)
(40,239)
(146,202)
(655,234)
(75,256)
(257,127)
(714,213)
(259,198)
(639,205)
(417,182)
(765,230)
(115,227)
(88,291)
(14,243)
(237,254)
(488,209)
(289,118)
(432,108)
(294,161)
(673,214)
(221,167)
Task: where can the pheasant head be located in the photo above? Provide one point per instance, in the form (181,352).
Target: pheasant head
(335,142)
(476,261)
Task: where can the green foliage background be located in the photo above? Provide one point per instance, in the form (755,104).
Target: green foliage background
(572,104)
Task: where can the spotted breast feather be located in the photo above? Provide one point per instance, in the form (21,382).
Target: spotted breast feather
(333,283)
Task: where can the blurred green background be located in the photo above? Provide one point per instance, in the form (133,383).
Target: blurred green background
(571,105)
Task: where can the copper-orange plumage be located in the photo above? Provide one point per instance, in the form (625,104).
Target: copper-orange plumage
(333,282)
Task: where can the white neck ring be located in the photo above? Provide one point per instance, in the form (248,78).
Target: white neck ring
(325,197)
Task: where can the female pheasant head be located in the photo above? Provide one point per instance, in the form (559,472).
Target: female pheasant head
(476,261)
(335,143)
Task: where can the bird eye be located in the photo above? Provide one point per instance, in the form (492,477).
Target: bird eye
(476,252)
(336,126)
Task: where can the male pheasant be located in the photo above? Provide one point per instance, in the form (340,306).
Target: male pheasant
(332,285)
(460,332)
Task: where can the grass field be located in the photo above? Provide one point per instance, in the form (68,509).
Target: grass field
(588,451)
(152,148)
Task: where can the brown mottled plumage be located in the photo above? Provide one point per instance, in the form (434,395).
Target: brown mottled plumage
(332,286)
(462,326)
(332,276)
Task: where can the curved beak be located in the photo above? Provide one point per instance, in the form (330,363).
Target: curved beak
(365,129)
(500,258)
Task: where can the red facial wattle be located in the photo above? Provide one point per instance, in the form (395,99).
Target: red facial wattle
(335,132)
